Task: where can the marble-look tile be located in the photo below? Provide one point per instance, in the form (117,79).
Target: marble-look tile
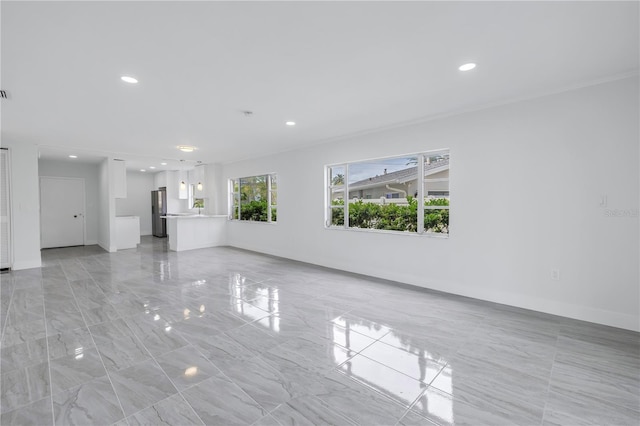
(115,329)
(267,385)
(23,332)
(309,352)
(73,370)
(256,338)
(24,386)
(23,354)
(99,315)
(69,342)
(63,322)
(218,401)
(397,386)
(483,390)
(360,325)
(413,419)
(159,340)
(573,374)
(267,420)
(37,413)
(308,410)
(437,407)
(526,352)
(223,351)
(415,363)
(280,331)
(141,386)
(93,402)
(359,403)
(25,306)
(172,411)
(599,353)
(186,367)
(199,329)
(567,408)
(121,353)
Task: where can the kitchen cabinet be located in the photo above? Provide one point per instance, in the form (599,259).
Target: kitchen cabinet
(119,179)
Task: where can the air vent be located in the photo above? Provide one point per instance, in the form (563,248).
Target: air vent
(3,94)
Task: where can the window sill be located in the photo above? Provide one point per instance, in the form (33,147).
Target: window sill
(380,231)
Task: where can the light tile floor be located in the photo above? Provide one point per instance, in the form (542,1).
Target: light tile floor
(223,336)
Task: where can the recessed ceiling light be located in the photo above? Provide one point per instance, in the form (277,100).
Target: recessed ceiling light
(163,164)
(73,156)
(290,123)
(152,167)
(467,67)
(186,148)
(142,170)
(129,79)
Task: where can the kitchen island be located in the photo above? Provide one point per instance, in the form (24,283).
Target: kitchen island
(190,232)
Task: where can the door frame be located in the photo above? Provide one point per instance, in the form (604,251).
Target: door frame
(9,217)
(84,204)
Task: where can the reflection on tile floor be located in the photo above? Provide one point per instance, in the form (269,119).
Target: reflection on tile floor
(224,336)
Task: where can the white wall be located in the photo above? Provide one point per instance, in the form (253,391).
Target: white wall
(88,172)
(138,201)
(526,182)
(25,207)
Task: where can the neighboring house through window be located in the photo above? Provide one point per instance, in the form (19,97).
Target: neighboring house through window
(390,194)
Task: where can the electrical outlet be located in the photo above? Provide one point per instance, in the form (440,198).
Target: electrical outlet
(555,274)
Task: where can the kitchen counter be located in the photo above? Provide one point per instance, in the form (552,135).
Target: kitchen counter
(127,232)
(190,232)
(191,216)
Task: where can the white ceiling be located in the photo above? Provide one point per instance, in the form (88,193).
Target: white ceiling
(336,68)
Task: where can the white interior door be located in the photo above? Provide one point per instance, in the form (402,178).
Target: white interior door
(61,212)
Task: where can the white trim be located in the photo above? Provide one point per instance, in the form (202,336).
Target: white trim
(10,216)
(18,265)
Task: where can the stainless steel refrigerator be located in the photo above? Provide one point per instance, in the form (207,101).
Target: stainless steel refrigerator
(159,208)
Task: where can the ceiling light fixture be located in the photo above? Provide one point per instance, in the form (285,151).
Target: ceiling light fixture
(73,156)
(199,186)
(163,164)
(152,167)
(129,79)
(467,67)
(186,148)
(142,170)
(290,123)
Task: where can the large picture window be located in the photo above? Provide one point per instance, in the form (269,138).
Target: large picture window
(391,194)
(253,198)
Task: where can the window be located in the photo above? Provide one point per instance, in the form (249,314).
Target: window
(390,194)
(253,198)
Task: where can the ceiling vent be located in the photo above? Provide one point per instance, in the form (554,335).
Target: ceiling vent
(3,94)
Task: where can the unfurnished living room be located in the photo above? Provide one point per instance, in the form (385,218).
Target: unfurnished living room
(320,213)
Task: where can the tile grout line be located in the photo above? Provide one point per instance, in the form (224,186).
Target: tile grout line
(96,346)
(553,363)
(179,392)
(46,340)
(6,319)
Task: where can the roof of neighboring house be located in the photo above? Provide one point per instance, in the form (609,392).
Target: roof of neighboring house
(400,176)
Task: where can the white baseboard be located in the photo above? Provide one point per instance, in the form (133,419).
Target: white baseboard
(26,265)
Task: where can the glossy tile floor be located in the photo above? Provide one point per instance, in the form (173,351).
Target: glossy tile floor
(223,336)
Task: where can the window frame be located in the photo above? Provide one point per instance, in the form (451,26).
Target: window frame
(235,197)
(421,182)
